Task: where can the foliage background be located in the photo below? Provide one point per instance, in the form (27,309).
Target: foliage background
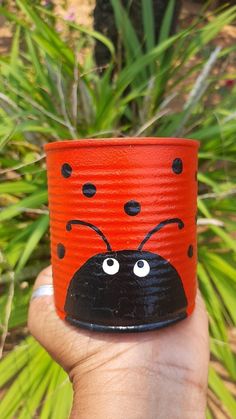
(50,88)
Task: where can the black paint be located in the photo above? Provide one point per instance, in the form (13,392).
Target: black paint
(124,300)
(89,190)
(61,251)
(93,227)
(66,170)
(103,299)
(124,329)
(132,208)
(190,251)
(159,226)
(177,166)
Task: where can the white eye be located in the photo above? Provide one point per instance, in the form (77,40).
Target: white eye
(141,268)
(110,266)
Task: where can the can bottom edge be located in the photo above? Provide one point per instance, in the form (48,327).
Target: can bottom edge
(126,329)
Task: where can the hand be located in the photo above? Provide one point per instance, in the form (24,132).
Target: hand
(158,374)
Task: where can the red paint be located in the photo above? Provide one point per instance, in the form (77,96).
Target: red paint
(122,169)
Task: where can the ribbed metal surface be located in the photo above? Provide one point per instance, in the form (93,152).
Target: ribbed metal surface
(125,190)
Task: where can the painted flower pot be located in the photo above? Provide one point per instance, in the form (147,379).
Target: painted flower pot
(123,231)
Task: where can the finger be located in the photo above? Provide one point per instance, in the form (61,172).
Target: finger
(43,322)
(54,334)
(200,314)
(43,285)
(40,290)
(45,277)
(40,306)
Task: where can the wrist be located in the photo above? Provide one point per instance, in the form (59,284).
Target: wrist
(137,393)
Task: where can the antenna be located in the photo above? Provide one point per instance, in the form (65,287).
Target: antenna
(93,227)
(158,227)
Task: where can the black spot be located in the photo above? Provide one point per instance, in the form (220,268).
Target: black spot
(177,166)
(140,264)
(110,262)
(190,251)
(196,175)
(66,170)
(132,208)
(61,251)
(89,190)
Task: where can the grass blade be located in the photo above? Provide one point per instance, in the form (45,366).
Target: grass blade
(33,201)
(40,227)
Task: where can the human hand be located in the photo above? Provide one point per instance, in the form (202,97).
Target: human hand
(157,374)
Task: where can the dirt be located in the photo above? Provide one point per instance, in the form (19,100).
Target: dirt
(81,11)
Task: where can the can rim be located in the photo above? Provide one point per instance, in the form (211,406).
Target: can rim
(94,142)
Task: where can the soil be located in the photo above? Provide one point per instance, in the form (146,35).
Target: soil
(104,22)
(82,12)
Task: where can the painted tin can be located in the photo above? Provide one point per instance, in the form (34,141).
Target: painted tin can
(123,231)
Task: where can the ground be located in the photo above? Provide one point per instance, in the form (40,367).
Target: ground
(82,11)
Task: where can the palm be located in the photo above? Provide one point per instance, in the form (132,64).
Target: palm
(178,353)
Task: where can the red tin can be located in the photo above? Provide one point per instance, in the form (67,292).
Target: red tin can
(123,231)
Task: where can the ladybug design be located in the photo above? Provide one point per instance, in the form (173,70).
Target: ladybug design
(123,231)
(127,290)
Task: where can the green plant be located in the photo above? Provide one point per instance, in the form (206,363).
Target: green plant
(50,89)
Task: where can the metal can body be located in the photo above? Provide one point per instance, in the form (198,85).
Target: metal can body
(123,231)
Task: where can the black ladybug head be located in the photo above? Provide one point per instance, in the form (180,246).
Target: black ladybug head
(125,290)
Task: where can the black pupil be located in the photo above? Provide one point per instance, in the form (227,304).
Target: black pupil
(110,262)
(140,264)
